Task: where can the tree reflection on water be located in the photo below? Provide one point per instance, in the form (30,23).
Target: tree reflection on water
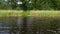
(14,25)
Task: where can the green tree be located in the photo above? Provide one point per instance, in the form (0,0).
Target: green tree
(13,4)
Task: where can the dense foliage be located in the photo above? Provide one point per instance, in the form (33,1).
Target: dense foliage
(30,4)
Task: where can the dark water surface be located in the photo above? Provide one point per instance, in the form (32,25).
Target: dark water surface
(13,25)
(8,24)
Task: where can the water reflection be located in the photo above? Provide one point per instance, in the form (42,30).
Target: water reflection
(9,30)
(4,29)
(8,25)
(13,25)
(4,32)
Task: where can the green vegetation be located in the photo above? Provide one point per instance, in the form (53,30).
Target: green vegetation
(30,5)
(10,12)
(31,13)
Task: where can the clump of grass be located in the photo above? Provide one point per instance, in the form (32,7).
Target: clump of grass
(45,13)
(37,13)
(10,13)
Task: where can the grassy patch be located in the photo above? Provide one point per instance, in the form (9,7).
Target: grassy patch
(10,13)
(45,13)
(36,13)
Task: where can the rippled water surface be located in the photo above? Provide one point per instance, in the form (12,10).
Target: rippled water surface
(13,25)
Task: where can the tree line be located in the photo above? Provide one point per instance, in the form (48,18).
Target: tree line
(30,4)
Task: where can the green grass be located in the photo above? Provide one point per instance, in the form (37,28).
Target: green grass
(45,13)
(10,12)
(31,13)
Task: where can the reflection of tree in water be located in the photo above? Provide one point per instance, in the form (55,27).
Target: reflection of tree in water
(14,30)
(24,29)
(38,26)
(13,23)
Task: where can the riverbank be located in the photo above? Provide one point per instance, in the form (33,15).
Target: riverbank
(37,13)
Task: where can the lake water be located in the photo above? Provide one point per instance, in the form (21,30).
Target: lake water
(11,25)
